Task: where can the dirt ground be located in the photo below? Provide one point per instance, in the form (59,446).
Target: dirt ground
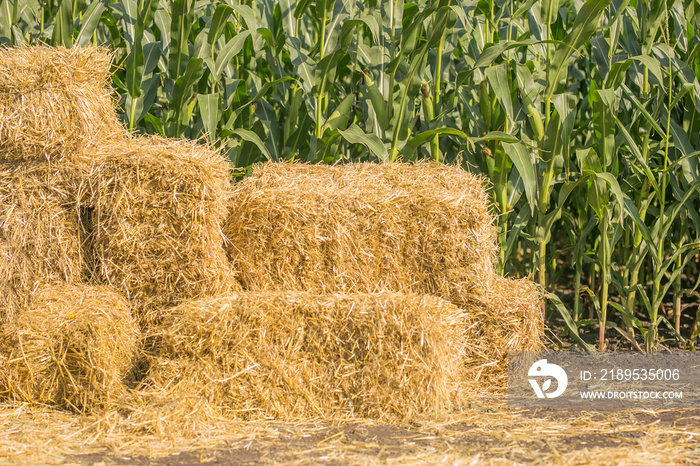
(488,433)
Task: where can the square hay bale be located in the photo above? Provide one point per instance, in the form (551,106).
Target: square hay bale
(424,228)
(55,102)
(506,316)
(72,349)
(158,205)
(292,355)
(40,235)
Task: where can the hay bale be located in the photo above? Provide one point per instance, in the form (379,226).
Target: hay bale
(506,316)
(157,209)
(292,355)
(55,103)
(39,233)
(72,349)
(424,228)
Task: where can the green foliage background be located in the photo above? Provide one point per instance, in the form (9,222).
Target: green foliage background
(584,115)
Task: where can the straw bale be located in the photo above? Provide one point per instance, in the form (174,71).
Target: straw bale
(39,233)
(55,103)
(292,355)
(424,228)
(507,316)
(73,348)
(157,209)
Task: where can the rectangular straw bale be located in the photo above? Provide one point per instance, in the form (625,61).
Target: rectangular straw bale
(55,103)
(506,316)
(292,355)
(73,349)
(158,206)
(424,228)
(40,237)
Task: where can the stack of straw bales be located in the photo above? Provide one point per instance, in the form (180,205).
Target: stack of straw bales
(367,290)
(422,228)
(83,203)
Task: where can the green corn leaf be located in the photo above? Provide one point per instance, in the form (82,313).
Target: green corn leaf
(565,105)
(632,145)
(63,26)
(617,74)
(413,22)
(151,55)
(496,136)
(491,53)
(301,62)
(301,8)
(182,93)
(324,9)
(250,136)
(350,25)
(341,115)
(647,116)
(520,156)
(662,272)
(218,22)
(685,89)
(568,321)
(603,124)
(287,13)
(228,51)
(627,313)
(519,225)
(498,79)
(129,10)
(90,20)
(326,70)
(139,106)
(209,110)
(155,123)
(417,62)
(248,15)
(146,13)
(134,68)
(585,24)
(549,9)
(665,321)
(355,135)
(136,60)
(654,67)
(564,194)
(415,142)
(692,192)
(180,26)
(266,34)
(263,90)
(377,100)
(163,21)
(632,211)
(6,21)
(614,187)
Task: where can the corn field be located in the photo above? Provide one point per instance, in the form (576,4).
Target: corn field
(585,116)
